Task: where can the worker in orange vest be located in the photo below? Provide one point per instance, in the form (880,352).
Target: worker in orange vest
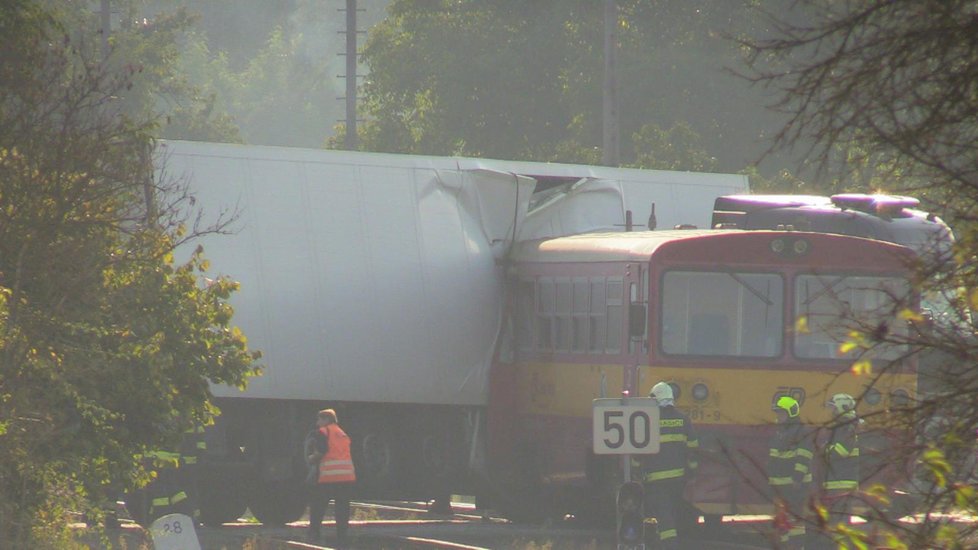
(330,455)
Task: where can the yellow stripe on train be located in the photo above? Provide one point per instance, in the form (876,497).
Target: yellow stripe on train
(724,395)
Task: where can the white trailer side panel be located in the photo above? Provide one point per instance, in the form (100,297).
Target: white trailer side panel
(363,277)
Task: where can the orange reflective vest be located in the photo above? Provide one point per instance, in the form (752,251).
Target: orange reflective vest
(336,466)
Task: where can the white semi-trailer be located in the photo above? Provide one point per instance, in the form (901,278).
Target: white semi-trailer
(375,284)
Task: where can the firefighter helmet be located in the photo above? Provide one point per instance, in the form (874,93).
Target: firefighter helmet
(661,391)
(787,404)
(842,403)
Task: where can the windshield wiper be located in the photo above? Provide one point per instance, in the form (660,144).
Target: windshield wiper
(767,301)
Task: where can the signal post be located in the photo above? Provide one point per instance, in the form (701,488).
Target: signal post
(627,426)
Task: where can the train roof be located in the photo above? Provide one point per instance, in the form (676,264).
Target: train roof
(639,246)
(616,246)
(611,246)
(892,218)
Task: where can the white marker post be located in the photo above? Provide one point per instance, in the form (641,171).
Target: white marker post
(174,532)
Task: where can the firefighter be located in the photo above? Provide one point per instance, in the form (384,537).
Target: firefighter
(166,495)
(336,475)
(664,475)
(841,456)
(192,450)
(175,489)
(789,471)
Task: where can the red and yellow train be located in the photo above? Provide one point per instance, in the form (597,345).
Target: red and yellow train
(732,319)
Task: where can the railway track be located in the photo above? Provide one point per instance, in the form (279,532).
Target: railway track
(408,526)
(469,529)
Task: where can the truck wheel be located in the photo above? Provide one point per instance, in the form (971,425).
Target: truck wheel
(221,506)
(374,458)
(221,494)
(440,452)
(278,503)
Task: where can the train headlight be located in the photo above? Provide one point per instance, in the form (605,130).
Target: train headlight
(872,397)
(700,391)
(777,246)
(900,398)
(800,247)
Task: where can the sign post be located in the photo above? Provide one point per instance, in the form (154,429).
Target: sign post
(627,426)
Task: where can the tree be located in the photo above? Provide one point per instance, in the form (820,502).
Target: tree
(107,344)
(892,86)
(520,80)
(678,148)
(896,78)
(273,69)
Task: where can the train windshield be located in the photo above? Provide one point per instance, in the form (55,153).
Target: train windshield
(722,313)
(833,311)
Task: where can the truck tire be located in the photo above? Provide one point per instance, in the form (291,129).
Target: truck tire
(374,456)
(437,454)
(278,503)
(219,506)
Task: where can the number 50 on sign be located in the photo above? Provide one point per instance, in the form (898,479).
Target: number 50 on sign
(631,428)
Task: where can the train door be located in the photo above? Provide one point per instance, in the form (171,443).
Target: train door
(637,281)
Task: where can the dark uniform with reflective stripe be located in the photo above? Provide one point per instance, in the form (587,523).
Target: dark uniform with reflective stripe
(841,468)
(842,455)
(166,495)
(665,473)
(790,475)
(175,489)
(192,450)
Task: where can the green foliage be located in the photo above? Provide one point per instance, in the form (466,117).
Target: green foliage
(467,84)
(152,48)
(106,345)
(678,148)
(275,79)
(521,80)
(864,101)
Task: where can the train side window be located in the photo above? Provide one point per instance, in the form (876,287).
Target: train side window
(616,312)
(598,316)
(525,317)
(565,294)
(545,313)
(580,315)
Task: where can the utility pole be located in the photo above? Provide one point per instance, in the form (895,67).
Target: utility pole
(106,21)
(610,151)
(351,75)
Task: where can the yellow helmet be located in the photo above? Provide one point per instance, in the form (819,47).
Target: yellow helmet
(787,404)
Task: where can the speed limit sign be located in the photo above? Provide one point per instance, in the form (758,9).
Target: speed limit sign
(621,428)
